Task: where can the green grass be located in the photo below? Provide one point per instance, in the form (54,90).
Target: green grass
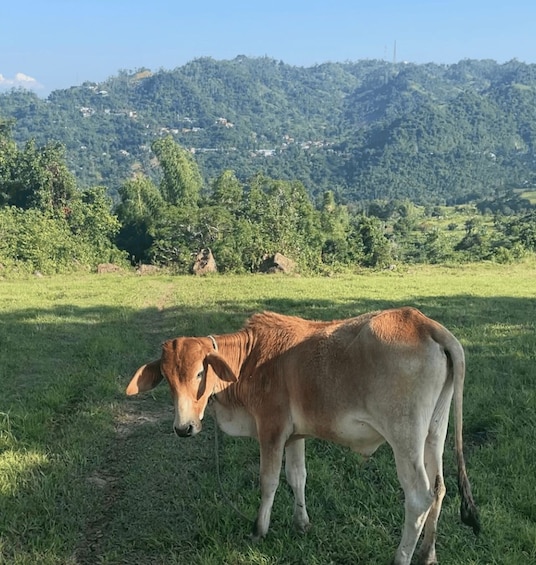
(530,195)
(89,476)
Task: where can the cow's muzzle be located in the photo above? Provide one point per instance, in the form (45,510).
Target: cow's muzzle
(187,430)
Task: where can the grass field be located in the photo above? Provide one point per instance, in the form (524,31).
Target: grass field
(89,476)
(530,195)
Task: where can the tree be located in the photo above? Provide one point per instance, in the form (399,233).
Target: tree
(140,206)
(140,199)
(181,182)
(335,224)
(227,191)
(435,247)
(283,219)
(520,230)
(38,178)
(46,223)
(8,154)
(375,246)
(476,243)
(90,217)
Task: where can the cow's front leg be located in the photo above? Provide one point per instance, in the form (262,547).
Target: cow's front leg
(296,476)
(271,450)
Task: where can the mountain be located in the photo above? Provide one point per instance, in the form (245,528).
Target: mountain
(367,129)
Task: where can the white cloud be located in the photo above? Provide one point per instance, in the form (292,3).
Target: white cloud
(19,81)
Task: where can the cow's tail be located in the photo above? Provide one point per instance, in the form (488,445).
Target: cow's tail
(468,510)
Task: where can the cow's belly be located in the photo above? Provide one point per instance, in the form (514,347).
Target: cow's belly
(350,429)
(353,431)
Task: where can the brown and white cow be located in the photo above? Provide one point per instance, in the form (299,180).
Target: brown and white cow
(386,376)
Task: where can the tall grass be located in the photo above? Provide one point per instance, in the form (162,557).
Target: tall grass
(90,476)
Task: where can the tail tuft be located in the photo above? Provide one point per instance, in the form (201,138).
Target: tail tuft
(468,510)
(470,516)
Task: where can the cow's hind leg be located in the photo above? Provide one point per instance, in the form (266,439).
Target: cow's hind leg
(433,460)
(427,553)
(296,476)
(418,498)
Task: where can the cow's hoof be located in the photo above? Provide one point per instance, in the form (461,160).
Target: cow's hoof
(303,528)
(427,557)
(256,536)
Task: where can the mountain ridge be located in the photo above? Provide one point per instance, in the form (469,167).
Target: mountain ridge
(368,129)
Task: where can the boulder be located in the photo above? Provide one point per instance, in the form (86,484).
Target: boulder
(204,263)
(103,268)
(146,269)
(277,263)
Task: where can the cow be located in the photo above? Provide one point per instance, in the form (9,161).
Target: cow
(385,376)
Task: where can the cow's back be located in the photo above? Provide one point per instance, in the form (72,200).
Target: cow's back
(362,374)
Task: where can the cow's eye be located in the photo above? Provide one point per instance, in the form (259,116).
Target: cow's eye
(200,375)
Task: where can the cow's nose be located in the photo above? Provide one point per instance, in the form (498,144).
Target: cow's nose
(184,431)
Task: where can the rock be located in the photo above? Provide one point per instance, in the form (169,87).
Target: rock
(204,263)
(277,263)
(147,269)
(103,268)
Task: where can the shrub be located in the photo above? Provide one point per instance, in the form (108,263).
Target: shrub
(31,240)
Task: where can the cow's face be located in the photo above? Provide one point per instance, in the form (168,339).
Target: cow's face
(194,371)
(184,366)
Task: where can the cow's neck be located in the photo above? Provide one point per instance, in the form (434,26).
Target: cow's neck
(235,348)
(227,407)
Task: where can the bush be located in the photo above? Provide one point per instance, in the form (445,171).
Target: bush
(31,240)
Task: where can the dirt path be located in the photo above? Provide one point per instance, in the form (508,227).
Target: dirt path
(129,415)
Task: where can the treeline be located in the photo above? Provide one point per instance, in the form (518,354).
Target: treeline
(430,133)
(48,224)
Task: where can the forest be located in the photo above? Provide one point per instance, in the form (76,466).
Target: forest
(338,166)
(369,129)
(49,225)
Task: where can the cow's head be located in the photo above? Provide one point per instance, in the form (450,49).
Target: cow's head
(194,370)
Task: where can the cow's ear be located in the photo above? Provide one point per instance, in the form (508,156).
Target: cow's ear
(145,378)
(218,363)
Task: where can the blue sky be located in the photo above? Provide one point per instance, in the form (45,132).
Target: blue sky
(52,44)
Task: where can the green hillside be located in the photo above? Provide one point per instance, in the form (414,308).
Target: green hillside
(431,133)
